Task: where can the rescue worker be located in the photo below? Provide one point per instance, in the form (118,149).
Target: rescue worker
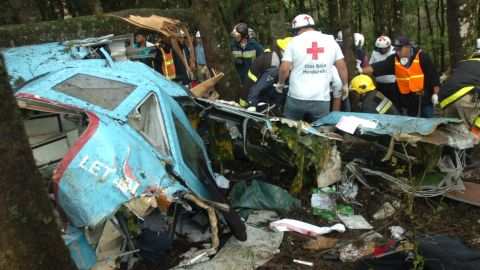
(308,60)
(164,62)
(370,100)
(141,41)
(147,53)
(263,73)
(416,77)
(202,69)
(459,94)
(183,72)
(385,83)
(244,50)
(360,54)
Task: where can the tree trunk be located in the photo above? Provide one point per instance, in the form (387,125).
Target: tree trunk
(431,33)
(461,28)
(80,27)
(419,23)
(30,237)
(348,46)
(440,18)
(333,16)
(379,18)
(397,18)
(216,42)
(25,11)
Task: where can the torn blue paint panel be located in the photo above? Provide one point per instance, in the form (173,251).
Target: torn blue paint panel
(120,161)
(80,250)
(28,62)
(390,124)
(112,168)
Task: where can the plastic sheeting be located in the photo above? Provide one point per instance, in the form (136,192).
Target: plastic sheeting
(390,124)
(262,196)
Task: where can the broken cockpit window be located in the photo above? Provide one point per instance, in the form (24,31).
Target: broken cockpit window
(147,120)
(102,92)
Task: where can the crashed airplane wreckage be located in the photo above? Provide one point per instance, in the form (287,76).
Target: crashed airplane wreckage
(124,146)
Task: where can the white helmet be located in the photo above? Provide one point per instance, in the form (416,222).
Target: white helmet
(252,33)
(197,34)
(339,37)
(383,42)
(358,39)
(302,20)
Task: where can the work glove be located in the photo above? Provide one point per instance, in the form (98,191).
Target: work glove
(279,87)
(345,91)
(435,99)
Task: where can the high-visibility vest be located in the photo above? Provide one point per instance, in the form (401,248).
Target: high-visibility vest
(411,79)
(168,66)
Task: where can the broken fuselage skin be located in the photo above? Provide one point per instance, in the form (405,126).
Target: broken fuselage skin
(136,139)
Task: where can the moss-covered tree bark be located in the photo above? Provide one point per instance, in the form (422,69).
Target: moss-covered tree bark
(216,42)
(347,32)
(461,24)
(80,27)
(29,236)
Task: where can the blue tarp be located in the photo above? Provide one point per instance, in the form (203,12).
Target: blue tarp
(390,124)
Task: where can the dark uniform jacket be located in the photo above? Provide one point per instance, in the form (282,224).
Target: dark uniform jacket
(244,57)
(464,79)
(376,102)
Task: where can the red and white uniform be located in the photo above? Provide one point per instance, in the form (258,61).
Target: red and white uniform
(312,55)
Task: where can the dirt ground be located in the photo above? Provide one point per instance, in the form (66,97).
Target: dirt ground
(432,216)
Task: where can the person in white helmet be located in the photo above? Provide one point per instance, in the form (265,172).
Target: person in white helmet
(309,60)
(202,70)
(385,83)
(360,54)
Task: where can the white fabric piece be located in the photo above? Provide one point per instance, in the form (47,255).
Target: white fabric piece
(312,55)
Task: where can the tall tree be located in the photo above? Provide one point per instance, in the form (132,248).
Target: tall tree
(216,42)
(431,32)
(333,16)
(25,11)
(29,235)
(347,31)
(380,22)
(461,24)
(396,27)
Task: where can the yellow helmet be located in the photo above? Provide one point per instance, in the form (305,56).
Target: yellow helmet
(362,84)
(282,43)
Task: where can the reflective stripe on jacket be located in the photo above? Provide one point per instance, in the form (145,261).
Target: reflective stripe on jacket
(411,79)
(168,65)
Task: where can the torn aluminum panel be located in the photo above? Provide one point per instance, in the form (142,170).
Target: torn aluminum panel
(438,131)
(133,139)
(26,63)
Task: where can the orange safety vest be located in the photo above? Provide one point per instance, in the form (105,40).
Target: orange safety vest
(409,79)
(168,66)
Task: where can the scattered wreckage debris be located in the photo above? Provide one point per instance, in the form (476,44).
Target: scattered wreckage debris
(130,158)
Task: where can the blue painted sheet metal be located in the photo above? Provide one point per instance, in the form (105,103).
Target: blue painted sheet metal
(390,124)
(27,62)
(95,183)
(80,250)
(114,166)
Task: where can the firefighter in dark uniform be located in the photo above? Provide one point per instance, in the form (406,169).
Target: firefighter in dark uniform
(370,99)
(244,50)
(263,73)
(459,95)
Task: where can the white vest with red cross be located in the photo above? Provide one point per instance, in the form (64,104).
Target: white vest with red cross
(312,55)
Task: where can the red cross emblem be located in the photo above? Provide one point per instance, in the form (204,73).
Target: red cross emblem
(315,50)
